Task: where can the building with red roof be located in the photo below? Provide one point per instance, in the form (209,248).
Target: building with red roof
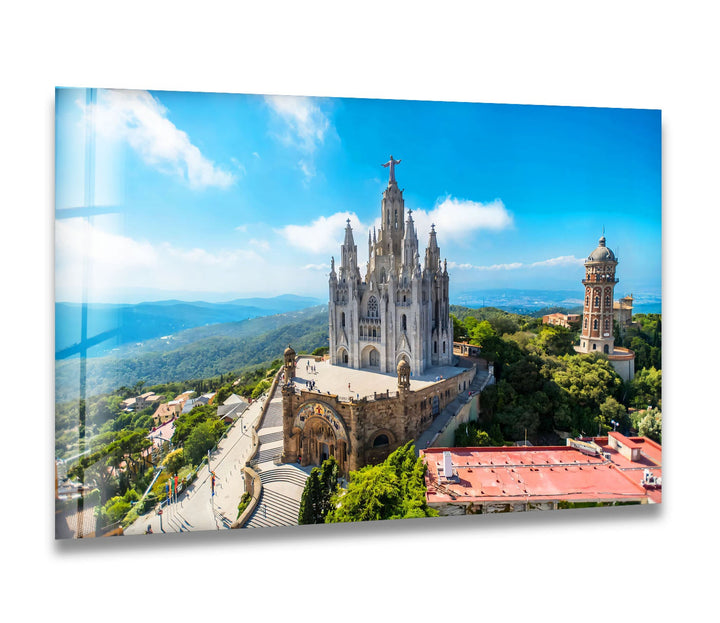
(504,479)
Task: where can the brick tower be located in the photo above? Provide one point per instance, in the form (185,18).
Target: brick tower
(599,282)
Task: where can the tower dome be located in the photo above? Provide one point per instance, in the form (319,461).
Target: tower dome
(289,351)
(403,367)
(602,253)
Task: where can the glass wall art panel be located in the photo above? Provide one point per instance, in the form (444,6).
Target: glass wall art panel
(275,311)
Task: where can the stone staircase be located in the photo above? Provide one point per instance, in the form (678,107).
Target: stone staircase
(282,485)
(275,508)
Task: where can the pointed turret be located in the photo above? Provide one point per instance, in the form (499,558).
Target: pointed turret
(410,243)
(349,267)
(432,253)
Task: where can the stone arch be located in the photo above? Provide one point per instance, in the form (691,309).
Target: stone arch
(382,438)
(370,357)
(318,433)
(343,357)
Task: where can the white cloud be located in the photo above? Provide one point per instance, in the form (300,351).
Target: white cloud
(260,244)
(325,234)
(113,261)
(456,219)
(306,123)
(142,121)
(565,260)
(321,267)
(308,169)
(241,228)
(304,127)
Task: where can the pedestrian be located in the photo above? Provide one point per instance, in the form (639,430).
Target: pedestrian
(149,529)
(348,386)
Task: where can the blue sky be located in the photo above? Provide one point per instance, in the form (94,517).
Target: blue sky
(217,196)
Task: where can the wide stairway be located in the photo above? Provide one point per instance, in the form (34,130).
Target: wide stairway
(282,485)
(275,508)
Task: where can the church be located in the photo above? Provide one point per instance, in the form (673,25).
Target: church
(391,370)
(400,310)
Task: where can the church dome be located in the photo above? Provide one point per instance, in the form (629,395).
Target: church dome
(602,253)
(289,351)
(403,367)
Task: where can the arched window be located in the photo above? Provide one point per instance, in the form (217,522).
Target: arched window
(607,301)
(435,347)
(607,324)
(381,440)
(595,324)
(372,307)
(342,320)
(374,332)
(404,322)
(606,349)
(443,348)
(586,322)
(594,346)
(597,301)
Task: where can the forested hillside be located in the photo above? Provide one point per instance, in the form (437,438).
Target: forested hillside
(198,353)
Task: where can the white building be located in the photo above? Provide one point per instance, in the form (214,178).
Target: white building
(401,309)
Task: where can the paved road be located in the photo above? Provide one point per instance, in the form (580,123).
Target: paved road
(196,509)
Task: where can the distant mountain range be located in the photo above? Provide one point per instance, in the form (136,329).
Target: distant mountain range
(178,340)
(200,352)
(114,326)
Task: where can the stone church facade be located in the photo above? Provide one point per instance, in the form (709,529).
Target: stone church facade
(400,310)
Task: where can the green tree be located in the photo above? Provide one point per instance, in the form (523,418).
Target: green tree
(481,332)
(555,340)
(394,489)
(202,438)
(470,435)
(648,423)
(321,486)
(646,388)
(611,410)
(175,461)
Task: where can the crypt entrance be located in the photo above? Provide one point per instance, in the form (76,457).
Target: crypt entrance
(320,434)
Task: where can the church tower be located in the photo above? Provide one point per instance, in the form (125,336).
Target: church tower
(599,282)
(398,312)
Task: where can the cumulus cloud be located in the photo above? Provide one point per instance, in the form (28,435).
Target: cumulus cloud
(456,219)
(142,121)
(325,234)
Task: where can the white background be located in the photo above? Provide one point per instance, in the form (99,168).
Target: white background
(647,562)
